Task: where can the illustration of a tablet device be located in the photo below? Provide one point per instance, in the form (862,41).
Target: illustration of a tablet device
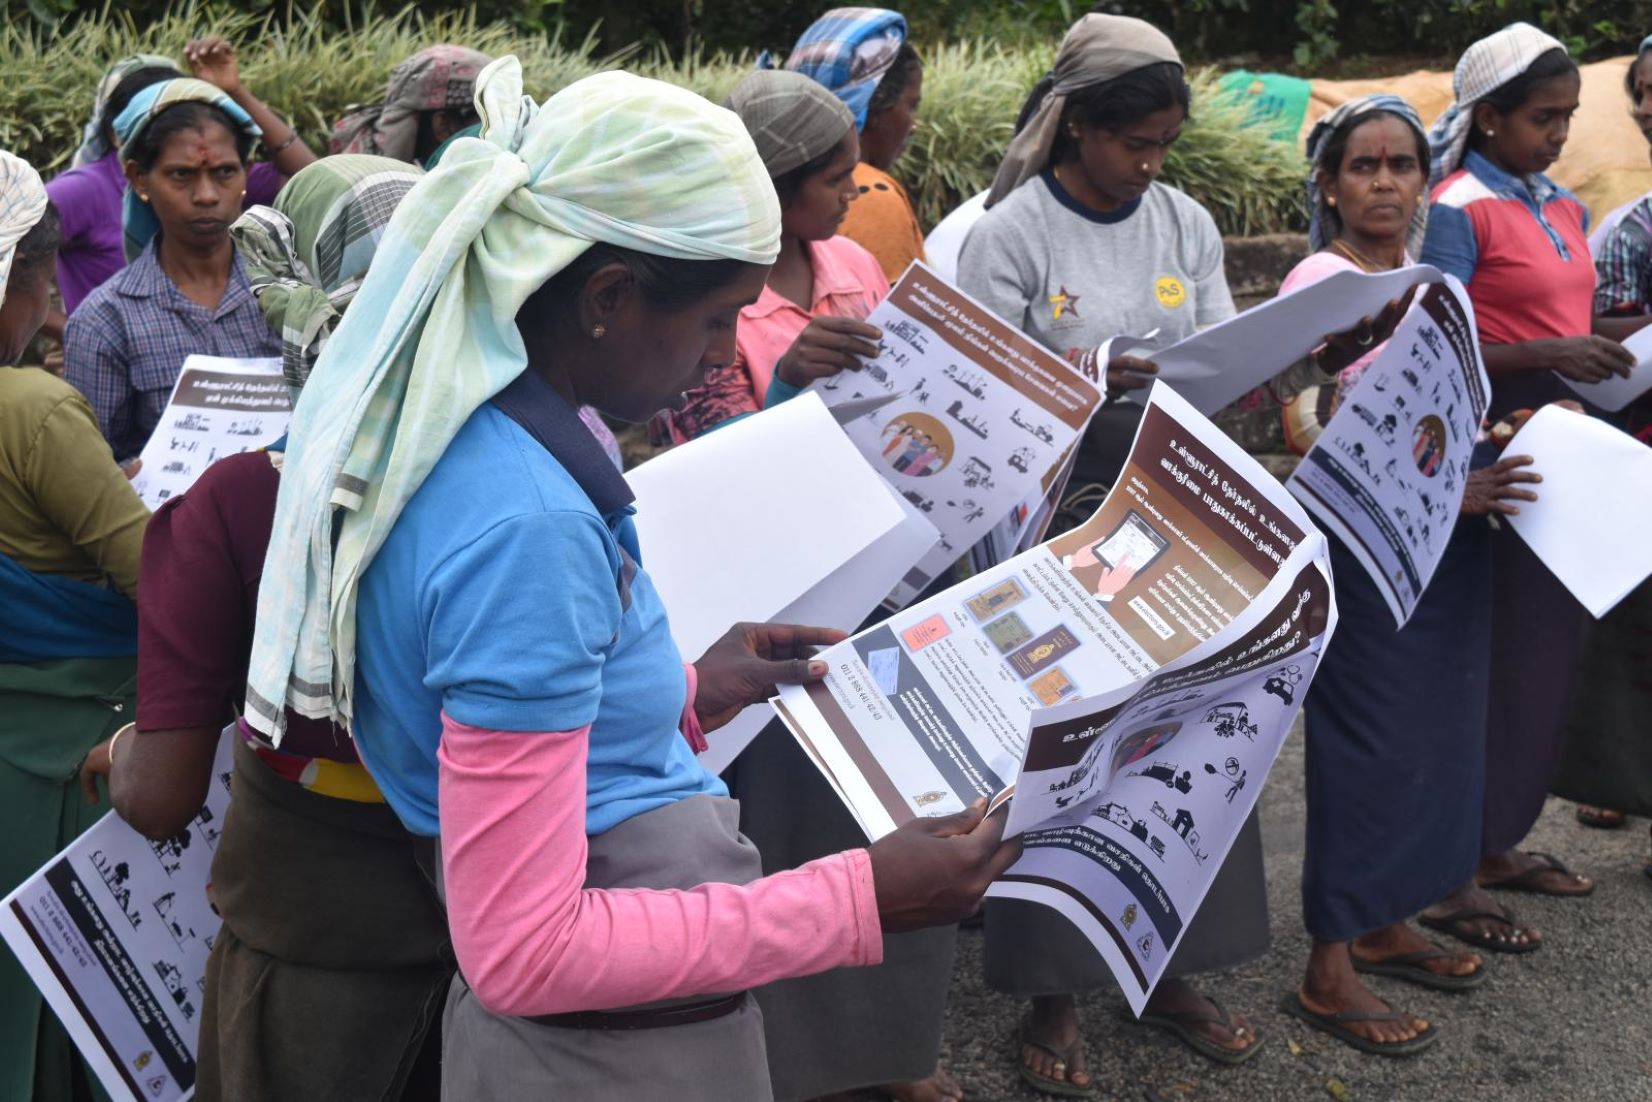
(1134,541)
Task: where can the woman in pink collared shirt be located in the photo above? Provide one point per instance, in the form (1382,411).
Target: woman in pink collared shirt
(807,324)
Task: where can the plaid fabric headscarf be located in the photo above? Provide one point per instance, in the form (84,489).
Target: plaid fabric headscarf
(432,332)
(306,256)
(93,145)
(791,118)
(1484,67)
(437,78)
(1324,222)
(138,222)
(22,203)
(849,51)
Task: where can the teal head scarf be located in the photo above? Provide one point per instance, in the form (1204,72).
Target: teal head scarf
(138,223)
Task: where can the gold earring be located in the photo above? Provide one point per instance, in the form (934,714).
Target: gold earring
(142,198)
(599,331)
(1331,200)
(1146,167)
(1491,133)
(243,193)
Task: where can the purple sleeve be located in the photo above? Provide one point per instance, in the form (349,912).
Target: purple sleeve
(74,195)
(264,182)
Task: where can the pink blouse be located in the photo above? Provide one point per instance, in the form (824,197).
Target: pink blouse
(531,939)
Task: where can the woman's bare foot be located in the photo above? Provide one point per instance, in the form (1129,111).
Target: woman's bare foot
(1179,998)
(940,1087)
(1052,1046)
(1531,872)
(1398,940)
(1331,986)
(1487,929)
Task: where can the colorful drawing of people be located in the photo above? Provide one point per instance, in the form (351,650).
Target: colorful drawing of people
(917,445)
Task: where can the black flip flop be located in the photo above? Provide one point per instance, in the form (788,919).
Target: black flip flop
(1530,880)
(1412,968)
(1337,1026)
(1043,1083)
(1456,925)
(1182,1023)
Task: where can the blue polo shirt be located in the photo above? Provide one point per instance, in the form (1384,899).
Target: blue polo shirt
(508,595)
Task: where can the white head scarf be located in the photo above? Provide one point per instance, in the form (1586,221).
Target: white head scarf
(22,203)
(612,158)
(1484,67)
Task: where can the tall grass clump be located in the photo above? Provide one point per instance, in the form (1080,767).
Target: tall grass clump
(310,72)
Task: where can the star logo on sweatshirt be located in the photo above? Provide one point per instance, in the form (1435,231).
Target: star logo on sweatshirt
(1062,304)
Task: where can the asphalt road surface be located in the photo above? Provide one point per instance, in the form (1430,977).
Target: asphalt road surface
(1571,1021)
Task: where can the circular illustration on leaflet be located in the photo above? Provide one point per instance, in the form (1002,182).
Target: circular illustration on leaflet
(917,445)
(1428,445)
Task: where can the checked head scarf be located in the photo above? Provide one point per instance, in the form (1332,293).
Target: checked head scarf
(306,256)
(849,51)
(436,78)
(1484,67)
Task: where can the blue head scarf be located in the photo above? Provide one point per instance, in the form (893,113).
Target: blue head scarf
(849,50)
(138,222)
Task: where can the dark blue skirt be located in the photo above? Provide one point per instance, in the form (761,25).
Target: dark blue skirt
(1396,738)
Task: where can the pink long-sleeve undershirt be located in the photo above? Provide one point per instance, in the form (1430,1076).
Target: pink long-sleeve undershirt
(532,940)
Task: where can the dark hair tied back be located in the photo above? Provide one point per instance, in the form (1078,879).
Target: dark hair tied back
(1035,100)
(130,85)
(907,64)
(1121,102)
(37,249)
(181,117)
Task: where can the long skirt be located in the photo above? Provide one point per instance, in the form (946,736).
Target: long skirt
(1536,637)
(1607,758)
(333,960)
(51,714)
(852,1027)
(1396,753)
(1032,950)
(489,1057)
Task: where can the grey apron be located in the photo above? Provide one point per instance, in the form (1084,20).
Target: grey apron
(489,1057)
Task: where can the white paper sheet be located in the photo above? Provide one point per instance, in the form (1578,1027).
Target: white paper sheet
(981,415)
(218,407)
(115,932)
(1215,367)
(775,518)
(1387,474)
(1615,393)
(1589,524)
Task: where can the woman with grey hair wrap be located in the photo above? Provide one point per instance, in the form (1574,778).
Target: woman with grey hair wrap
(807,323)
(1081,243)
(847,1029)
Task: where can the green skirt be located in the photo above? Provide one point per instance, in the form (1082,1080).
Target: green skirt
(51,714)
